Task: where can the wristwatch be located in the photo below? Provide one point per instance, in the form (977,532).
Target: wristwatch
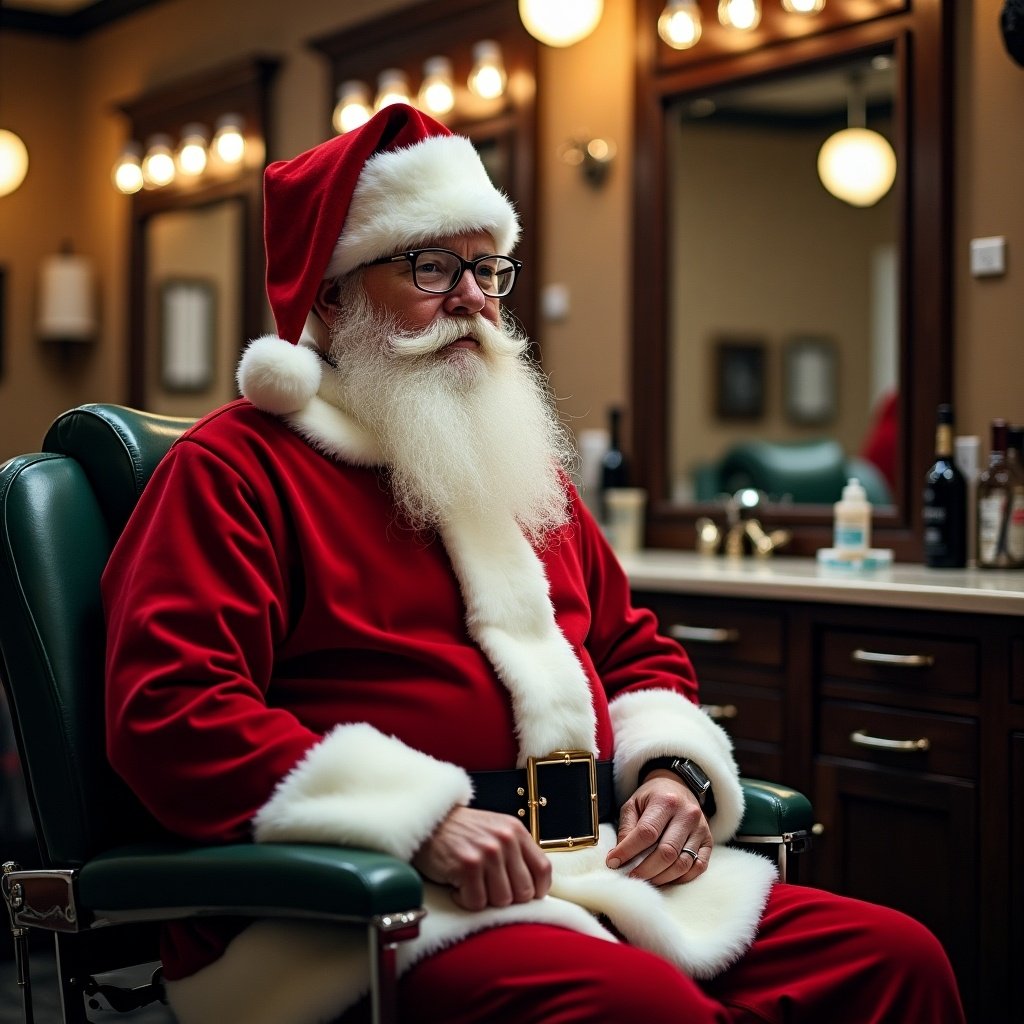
(691,773)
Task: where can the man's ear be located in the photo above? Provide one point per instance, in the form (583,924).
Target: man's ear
(326,301)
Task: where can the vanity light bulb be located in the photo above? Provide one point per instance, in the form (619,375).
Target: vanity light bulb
(487,79)
(391,88)
(740,14)
(192,151)
(128,170)
(352,108)
(229,142)
(803,6)
(679,24)
(13,162)
(436,93)
(560,22)
(158,164)
(857,165)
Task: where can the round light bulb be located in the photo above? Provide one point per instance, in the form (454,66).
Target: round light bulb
(229,142)
(679,24)
(560,22)
(857,165)
(740,14)
(353,107)
(192,150)
(803,6)
(392,87)
(127,173)
(437,94)
(158,164)
(13,162)
(487,79)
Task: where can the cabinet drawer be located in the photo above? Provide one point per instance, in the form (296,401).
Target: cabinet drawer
(920,742)
(712,632)
(915,662)
(745,712)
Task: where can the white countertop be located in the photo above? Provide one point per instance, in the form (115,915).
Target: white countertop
(999,592)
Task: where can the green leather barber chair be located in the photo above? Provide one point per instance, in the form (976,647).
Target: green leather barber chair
(106,874)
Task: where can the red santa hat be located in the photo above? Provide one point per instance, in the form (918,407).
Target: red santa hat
(400,180)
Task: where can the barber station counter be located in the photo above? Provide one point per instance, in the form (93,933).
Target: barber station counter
(894,698)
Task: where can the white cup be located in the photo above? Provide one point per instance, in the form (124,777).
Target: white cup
(625,526)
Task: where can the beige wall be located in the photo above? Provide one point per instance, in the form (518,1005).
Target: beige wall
(61,98)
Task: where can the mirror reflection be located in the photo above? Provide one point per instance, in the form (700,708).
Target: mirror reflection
(193,307)
(784,318)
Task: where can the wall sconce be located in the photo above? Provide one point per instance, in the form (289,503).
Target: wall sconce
(856,164)
(437,93)
(158,163)
(228,141)
(13,162)
(803,6)
(192,155)
(487,78)
(593,156)
(744,15)
(562,23)
(392,87)
(353,107)
(679,24)
(67,299)
(127,173)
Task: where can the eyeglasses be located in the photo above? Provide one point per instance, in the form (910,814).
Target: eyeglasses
(440,270)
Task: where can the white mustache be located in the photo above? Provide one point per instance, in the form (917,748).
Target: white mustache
(450,329)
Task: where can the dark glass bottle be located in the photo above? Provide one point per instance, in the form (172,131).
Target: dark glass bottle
(1001,506)
(614,466)
(945,502)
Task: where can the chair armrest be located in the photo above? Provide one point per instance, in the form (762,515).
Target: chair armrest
(773,810)
(163,881)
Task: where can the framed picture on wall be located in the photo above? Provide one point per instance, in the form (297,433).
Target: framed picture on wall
(188,323)
(810,389)
(739,378)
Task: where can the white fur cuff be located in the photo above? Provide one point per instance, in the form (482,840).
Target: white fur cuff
(359,787)
(660,723)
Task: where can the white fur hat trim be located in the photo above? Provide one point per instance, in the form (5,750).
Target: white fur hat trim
(277,376)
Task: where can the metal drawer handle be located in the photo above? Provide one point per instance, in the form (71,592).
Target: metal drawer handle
(900,660)
(703,635)
(864,739)
(720,711)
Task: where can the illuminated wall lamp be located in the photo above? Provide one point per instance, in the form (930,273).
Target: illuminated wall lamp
(228,141)
(560,22)
(437,93)
(487,78)
(803,6)
(744,15)
(353,107)
(679,24)
(13,162)
(158,163)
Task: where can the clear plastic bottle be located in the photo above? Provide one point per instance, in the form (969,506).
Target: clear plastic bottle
(852,523)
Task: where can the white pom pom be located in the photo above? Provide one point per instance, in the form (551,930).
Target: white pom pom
(277,376)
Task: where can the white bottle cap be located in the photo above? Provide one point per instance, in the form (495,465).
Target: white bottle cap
(853,491)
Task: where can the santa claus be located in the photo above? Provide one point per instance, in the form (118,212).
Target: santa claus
(364,604)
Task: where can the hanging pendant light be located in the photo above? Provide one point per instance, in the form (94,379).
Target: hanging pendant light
(560,22)
(857,165)
(740,14)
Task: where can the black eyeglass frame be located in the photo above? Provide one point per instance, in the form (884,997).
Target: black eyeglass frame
(411,256)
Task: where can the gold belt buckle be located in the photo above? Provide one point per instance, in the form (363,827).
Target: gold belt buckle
(536,800)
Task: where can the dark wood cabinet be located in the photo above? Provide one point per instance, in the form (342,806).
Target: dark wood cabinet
(905,727)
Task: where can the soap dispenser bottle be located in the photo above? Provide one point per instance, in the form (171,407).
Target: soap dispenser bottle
(852,523)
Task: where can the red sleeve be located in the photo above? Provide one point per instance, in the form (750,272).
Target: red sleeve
(196,598)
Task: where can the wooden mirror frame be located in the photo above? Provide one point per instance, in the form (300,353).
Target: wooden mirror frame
(405,39)
(238,88)
(920,34)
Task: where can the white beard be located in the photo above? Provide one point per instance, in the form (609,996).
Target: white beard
(464,433)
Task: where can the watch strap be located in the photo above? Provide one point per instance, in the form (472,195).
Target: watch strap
(679,767)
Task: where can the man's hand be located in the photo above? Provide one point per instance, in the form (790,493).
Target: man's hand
(489,859)
(663,821)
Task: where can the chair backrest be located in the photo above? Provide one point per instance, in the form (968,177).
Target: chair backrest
(61,510)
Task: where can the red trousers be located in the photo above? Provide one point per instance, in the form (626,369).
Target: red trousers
(817,958)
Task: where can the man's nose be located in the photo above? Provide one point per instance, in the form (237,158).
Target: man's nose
(466,296)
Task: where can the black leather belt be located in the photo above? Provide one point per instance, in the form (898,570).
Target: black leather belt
(561,798)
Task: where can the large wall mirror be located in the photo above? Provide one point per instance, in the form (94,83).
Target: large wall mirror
(768,310)
(197,263)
